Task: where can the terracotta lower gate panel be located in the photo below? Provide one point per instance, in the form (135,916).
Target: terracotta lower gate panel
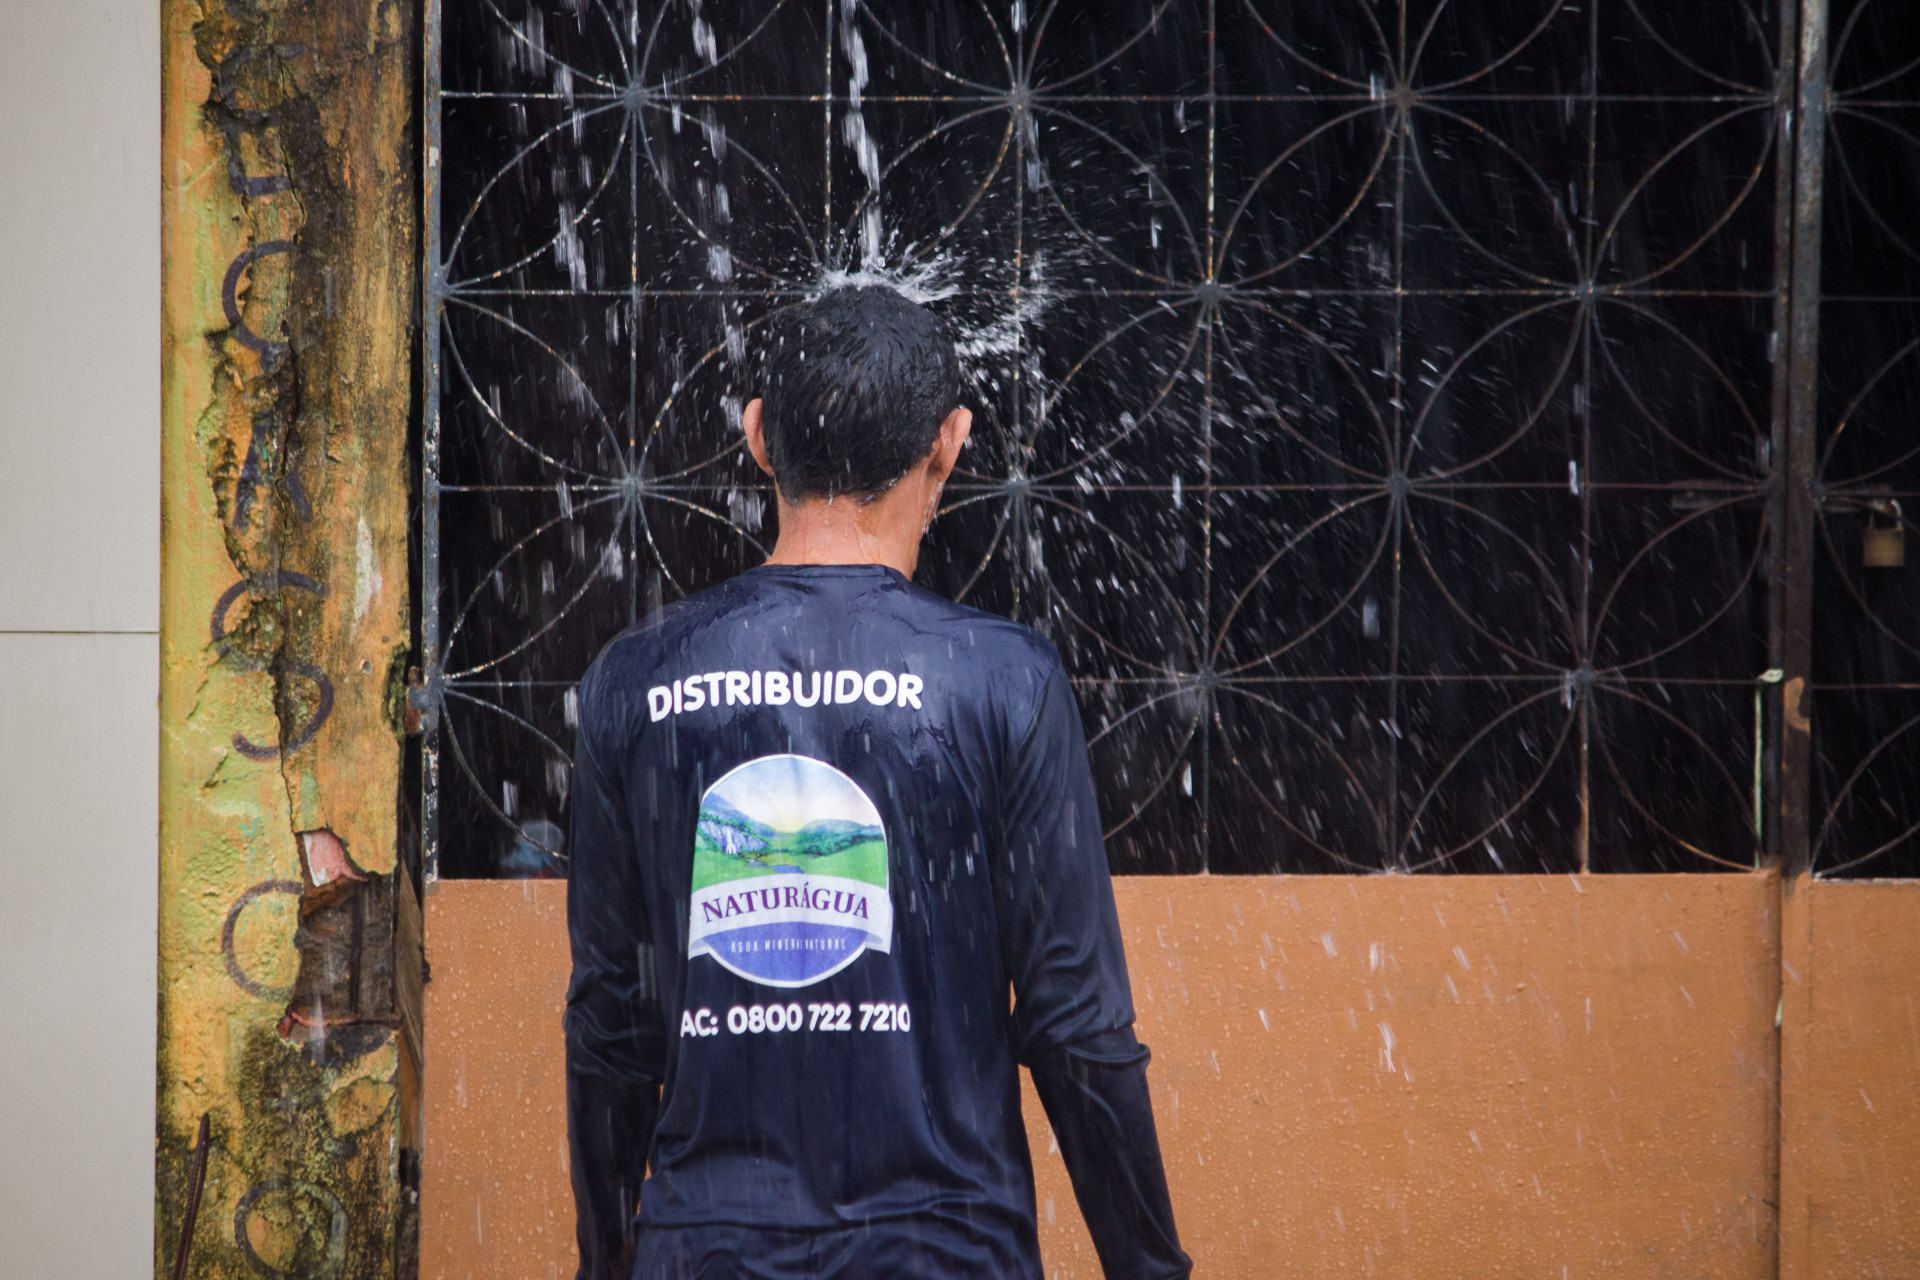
(1458,1076)
(494,1151)
(1851,1162)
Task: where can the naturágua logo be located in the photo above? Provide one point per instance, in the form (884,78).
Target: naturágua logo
(789,872)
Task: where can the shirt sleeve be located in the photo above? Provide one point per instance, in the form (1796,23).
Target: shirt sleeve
(1096,1099)
(1073,1009)
(616,1044)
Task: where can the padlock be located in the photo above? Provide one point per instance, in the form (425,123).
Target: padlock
(1884,548)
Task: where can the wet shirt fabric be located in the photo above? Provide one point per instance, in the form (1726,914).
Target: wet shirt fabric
(824,824)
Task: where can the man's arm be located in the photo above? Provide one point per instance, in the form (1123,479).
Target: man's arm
(615,1040)
(1073,1011)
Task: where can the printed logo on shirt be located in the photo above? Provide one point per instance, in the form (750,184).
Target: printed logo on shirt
(789,872)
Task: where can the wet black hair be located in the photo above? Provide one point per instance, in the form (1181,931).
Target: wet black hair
(858,383)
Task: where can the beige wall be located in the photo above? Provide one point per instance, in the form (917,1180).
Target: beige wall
(79,590)
(1581,1076)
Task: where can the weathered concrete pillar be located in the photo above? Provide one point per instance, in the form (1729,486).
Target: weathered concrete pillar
(289,973)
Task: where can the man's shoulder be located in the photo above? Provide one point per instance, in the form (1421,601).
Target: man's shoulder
(641,647)
(988,636)
(982,626)
(1007,663)
(1010,653)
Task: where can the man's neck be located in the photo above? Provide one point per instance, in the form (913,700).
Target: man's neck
(845,530)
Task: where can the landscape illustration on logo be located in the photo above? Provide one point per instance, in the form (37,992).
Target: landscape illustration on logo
(789,872)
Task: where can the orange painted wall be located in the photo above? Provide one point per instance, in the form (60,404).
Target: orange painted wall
(1458,1076)
(494,1197)
(1850,1168)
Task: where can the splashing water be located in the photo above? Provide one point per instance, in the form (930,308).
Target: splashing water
(920,277)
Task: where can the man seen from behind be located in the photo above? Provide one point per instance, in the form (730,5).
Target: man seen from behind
(837,870)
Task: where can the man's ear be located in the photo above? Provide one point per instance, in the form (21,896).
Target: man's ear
(756,439)
(945,455)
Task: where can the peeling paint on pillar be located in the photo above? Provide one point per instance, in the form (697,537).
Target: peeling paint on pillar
(288,932)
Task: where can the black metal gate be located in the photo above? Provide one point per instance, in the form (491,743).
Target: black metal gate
(1441,436)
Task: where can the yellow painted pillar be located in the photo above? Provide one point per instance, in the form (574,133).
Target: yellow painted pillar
(288,942)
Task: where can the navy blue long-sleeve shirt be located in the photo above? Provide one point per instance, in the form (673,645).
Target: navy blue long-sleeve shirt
(824,825)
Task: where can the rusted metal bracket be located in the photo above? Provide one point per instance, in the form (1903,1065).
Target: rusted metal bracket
(196,1183)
